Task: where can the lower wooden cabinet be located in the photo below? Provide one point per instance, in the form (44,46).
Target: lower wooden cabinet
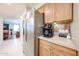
(44,48)
(50,49)
(57,50)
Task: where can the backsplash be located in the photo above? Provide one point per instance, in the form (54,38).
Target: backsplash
(62,30)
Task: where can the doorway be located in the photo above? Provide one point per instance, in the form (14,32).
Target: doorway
(12,29)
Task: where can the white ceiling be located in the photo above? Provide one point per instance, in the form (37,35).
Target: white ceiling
(15,10)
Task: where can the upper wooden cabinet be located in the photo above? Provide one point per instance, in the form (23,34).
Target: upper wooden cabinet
(63,11)
(60,12)
(49,13)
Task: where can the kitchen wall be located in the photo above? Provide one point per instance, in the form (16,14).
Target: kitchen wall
(75,25)
(1,30)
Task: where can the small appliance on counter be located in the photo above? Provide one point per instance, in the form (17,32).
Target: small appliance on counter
(48,30)
(64,33)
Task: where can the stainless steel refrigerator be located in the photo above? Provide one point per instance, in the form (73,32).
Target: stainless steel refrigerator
(32,30)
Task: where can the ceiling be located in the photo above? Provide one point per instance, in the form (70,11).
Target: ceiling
(15,10)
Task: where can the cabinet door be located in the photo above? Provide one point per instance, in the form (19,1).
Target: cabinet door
(49,12)
(63,11)
(57,50)
(44,48)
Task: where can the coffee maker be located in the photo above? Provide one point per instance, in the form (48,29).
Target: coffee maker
(48,30)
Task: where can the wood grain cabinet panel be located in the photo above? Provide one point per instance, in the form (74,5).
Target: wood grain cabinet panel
(50,49)
(60,12)
(63,11)
(58,50)
(44,48)
(49,12)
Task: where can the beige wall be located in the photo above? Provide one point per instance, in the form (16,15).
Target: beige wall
(1,30)
(75,25)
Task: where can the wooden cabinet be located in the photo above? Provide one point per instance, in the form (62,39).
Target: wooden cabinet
(44,48)
(49,13)
(63,11)
(57,50)
(60,12)
(17,34)
(50,49)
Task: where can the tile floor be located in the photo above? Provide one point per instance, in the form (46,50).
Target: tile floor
(11,47)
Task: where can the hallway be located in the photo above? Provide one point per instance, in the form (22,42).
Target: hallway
(11,47)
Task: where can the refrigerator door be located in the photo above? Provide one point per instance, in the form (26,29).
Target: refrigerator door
(33,30)
(29,35)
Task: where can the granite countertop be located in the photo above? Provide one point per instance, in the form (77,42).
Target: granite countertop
(60,41)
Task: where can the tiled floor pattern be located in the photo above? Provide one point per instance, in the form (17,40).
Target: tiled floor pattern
(11,47)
